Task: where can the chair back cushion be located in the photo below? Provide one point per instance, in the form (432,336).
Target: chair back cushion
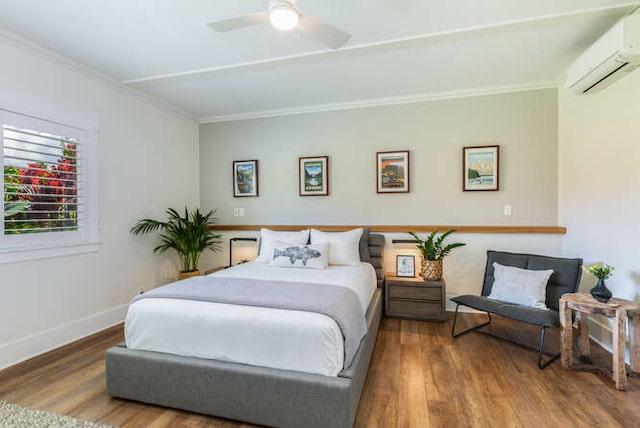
(565,278)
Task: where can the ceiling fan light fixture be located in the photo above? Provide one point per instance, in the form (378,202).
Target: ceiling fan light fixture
(284,17)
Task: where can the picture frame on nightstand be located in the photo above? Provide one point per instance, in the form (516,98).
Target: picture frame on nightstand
(406,266)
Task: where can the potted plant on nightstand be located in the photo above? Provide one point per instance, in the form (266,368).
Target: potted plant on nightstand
(188,235)
(433,251)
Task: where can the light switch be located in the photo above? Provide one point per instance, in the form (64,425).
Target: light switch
(236,212)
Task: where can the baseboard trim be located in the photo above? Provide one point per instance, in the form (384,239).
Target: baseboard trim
(39,343)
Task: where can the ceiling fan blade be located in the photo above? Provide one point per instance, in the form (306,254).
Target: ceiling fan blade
(239,22)
(324,33)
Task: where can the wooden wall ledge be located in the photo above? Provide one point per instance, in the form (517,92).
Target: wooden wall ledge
(558,230)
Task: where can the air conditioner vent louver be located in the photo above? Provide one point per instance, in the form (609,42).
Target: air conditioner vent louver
(591,88)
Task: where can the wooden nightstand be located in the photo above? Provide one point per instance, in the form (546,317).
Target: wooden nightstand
(414,298)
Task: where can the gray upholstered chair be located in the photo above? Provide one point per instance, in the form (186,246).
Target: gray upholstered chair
(565,279)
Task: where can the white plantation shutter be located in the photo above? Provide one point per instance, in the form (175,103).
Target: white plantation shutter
(46,184)
(43,182)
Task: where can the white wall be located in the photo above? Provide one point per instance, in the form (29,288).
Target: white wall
(523,124)
(147,161)
(599,186)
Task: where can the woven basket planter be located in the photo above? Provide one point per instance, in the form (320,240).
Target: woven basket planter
(431,270)
(185,275)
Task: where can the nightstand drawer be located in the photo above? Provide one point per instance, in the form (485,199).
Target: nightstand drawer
(415,292)
(413,309)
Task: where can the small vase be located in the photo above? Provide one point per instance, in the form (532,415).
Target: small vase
(600,292)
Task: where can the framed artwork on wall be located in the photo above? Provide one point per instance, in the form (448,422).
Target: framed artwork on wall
(314,176)
(392,172)
(480,168)
(406,266)
(245,178)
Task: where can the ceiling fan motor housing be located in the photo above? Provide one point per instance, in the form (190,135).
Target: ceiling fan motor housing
(290,4)
(283,14)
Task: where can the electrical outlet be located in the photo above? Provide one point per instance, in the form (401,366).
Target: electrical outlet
(507,210)
(241,212)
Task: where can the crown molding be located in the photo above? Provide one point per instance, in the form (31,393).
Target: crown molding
(380,102)
(51,56)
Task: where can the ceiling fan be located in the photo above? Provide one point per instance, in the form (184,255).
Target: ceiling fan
(285,15)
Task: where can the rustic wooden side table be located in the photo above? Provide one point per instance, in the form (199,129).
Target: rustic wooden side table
(620,310)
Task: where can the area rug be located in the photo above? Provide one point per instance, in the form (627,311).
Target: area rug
(14,416)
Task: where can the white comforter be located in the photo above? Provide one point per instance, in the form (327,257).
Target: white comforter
(283,339)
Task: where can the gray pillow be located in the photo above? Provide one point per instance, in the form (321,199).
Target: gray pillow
(364,245)
(520,286)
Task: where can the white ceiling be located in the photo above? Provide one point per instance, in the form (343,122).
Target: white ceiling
(400,50)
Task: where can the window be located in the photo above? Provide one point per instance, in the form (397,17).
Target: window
(47,191)
(40,181)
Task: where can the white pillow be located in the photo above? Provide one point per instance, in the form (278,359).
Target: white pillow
(267,237)
(521,286)
(313,256)
(345,246)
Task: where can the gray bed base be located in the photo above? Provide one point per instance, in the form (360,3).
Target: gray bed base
(259,395)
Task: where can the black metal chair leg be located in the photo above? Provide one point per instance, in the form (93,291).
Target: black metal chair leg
(455,318)
(542,365)
(540,349)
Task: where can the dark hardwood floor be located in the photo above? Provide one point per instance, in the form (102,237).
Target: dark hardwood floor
(419,377)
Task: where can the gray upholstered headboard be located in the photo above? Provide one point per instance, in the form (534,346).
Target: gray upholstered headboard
(376,246)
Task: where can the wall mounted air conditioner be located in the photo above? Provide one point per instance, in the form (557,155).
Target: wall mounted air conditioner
(610,58)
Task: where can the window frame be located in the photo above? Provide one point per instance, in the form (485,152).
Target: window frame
(20,247)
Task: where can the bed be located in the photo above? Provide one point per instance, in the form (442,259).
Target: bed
(268,391)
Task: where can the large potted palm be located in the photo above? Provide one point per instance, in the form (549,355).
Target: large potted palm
(188,235)
(433,251)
